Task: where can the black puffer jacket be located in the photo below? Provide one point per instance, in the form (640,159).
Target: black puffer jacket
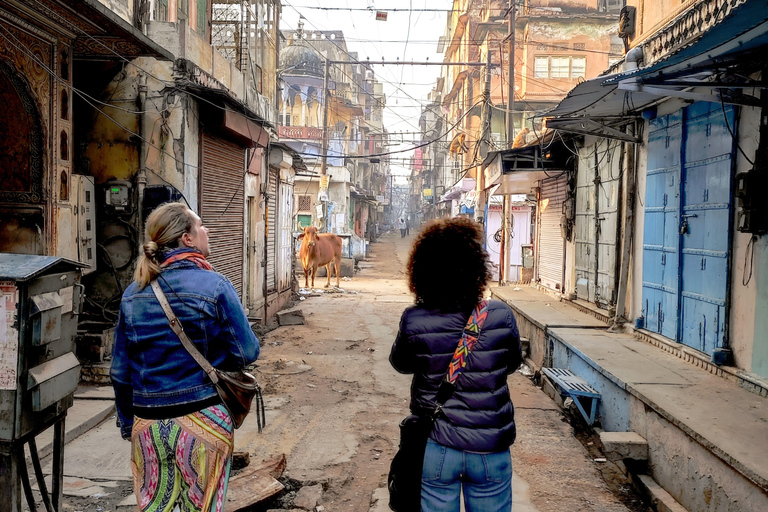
(479,417)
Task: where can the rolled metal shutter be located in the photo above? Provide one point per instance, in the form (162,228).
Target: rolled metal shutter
(551,257)
(222,205)
(272,232)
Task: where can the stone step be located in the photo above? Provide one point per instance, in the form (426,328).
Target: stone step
(618,446)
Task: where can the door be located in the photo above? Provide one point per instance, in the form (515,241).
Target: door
(597,198)
(252,263)
(222,206)
(660,237)
(687,225)
(551,257)
(285,237)
(705,224)
(271,234)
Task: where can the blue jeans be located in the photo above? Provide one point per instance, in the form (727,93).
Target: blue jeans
(485,477)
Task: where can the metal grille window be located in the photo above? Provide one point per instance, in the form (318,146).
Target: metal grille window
(579,46)
(617,49)
(305,203)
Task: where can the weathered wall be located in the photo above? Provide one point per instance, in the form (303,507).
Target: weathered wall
(689,472)
(743,319)
(614,408)
(123,8)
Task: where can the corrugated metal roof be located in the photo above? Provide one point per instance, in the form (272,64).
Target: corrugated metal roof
(22,267)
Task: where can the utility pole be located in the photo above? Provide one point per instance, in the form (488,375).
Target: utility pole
(506,246)
(323,192)
(484,143)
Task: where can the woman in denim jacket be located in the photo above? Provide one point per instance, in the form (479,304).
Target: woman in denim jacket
(181,433)
(468,447)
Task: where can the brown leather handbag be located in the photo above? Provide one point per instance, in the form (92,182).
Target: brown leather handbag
(236,389)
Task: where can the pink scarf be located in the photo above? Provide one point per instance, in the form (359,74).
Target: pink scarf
(195,257)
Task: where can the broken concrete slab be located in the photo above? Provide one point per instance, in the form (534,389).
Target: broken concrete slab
(308,497)
(292,316)
(618,446)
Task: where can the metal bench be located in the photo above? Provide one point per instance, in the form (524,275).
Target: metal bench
(575,387)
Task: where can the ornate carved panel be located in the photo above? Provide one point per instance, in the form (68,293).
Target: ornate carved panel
(21,161)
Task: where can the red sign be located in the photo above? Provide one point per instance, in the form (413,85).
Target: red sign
(381,16)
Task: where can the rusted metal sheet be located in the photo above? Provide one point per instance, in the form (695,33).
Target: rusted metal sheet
(53,380)
(45,314)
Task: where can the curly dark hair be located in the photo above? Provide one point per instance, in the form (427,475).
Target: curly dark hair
(448,268)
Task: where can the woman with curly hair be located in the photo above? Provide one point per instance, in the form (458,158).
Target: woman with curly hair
(468,446)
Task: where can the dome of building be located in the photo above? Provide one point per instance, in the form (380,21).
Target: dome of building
(298,59)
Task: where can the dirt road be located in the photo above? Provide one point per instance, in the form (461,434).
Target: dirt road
(334,403)
(333,406)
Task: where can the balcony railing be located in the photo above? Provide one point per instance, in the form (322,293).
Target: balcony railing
(301,132)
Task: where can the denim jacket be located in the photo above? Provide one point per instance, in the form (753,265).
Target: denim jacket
(153,374)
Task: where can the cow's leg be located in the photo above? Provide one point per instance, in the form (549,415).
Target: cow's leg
(314,271)
(337,264)
(328,273)
(306,277)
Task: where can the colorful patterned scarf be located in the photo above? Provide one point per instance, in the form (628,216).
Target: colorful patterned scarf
(186,253)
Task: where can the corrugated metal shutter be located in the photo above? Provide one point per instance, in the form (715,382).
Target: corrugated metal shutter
(272,234)
(551,243)
(285,234)
(222,205)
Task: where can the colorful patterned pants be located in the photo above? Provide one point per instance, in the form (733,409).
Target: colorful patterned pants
(183,461)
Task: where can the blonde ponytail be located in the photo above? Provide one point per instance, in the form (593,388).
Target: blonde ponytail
(165,225)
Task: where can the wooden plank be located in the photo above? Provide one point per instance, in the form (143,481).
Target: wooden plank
(247,489)
(255,484)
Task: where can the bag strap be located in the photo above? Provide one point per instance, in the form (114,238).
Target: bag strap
(467,342)
(179,330)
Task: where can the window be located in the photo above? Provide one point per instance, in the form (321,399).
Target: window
(559,67)
(579,46)
(541,67)
(578,67)
(305,203)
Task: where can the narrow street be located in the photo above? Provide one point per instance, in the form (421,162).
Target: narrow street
(333,406)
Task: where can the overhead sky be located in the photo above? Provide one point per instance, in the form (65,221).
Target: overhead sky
(405,35)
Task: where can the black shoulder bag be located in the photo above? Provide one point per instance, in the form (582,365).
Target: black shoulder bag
(404,481)
(236,389)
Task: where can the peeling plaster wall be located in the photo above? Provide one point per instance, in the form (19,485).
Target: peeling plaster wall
(693,475)
(123,8)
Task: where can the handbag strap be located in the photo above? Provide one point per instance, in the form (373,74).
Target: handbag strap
(179,330)
(467,342)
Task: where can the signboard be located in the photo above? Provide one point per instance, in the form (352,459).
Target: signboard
(493,172)
(427,192)
(380,199)
(381,16)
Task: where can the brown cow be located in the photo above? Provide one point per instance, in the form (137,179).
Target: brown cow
(318,250)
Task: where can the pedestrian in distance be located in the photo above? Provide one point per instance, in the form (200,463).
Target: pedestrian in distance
(469,442)
(407,227)
(182,435)
(401,224)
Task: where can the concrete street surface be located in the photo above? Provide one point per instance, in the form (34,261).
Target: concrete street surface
(333,406)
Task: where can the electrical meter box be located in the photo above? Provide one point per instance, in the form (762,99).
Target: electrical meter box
(40,300)
(117,197)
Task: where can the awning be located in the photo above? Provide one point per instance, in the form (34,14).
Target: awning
(461,186)
(601,105)
(517,171)
(98,32)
